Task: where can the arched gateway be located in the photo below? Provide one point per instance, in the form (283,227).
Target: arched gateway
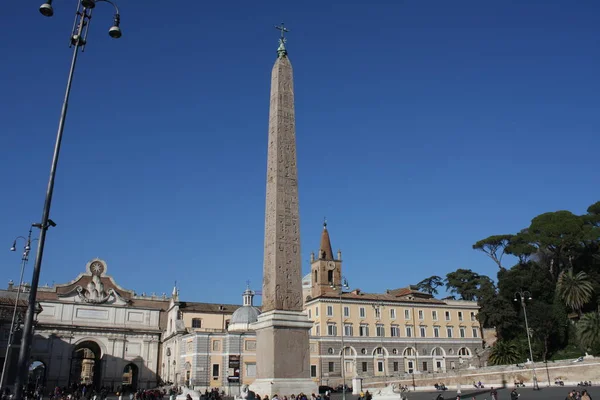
(86,364)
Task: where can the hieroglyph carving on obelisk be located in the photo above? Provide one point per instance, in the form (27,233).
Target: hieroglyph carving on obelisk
(282,274)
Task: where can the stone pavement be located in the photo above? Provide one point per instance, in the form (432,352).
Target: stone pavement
(553,393)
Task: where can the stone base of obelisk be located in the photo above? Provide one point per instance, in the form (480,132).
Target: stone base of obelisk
(283,354)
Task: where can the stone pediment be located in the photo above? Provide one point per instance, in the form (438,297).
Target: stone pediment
(94,287)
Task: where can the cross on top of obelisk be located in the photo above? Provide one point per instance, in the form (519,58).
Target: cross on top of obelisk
(281,50)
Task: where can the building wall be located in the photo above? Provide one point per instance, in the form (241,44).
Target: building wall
(326,312)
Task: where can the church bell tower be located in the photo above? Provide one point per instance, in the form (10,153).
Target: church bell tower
(326,270)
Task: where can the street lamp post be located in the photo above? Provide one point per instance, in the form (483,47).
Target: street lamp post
(522,296)
(379,307)
(78,40)
(340,288)
(13,323)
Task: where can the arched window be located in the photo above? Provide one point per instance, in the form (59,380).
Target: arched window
(437,352)
(464,351)
(196,323)
(316,274)
(409,352)
(329,276)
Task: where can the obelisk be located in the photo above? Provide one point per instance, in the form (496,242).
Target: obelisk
(282,348)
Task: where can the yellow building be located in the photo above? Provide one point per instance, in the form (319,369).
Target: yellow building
(397,333)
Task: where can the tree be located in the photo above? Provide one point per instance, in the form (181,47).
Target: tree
(504,352)
(463,282)
(588,330)
(562,233)
(520,246)
(430,285)
(494,247)
(574,289)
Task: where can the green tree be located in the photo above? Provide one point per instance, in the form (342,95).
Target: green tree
(430,285)
(588,330)
(504,352)
(494,247)
(464,283)
(520,246)
(574,289)
(562,233)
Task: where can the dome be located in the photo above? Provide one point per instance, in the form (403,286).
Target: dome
(244,316)
(307,280)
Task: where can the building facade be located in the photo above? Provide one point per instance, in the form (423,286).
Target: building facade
(93,331)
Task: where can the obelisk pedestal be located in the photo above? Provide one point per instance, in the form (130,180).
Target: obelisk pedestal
(282,347)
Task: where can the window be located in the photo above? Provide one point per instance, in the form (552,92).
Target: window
(424,366)
(215,372)
(472,316)
(379,351)
(406,314)
(460,316)
(313,371)
(462,332)
(475,332)
(330,311)
(346,311)
(421,315)
(361,312)
(331,366)
(409,352)
(394,331)
(380,330)
(392,313)
(409,331)
(377,312)
(216,345)
(250,345)
(250,370)
(436,331)
(316,278)
(379,366)
(363,330)
(196,323)
(348,330)
(363,351)
(411,367)
(331,330)
(395,366)
(364,366)
(330,350)
(434,315)
(447,315)
(423,331)
(317,311)
(330,277)
(463,351)
(449,331)
(318,330)
(309,313)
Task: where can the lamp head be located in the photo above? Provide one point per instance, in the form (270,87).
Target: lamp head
(14,246)
(88,3)
(115,31)
(46,9)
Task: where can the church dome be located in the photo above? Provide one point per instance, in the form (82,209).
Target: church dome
(245,315)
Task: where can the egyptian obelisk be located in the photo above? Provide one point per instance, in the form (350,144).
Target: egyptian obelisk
(282,349)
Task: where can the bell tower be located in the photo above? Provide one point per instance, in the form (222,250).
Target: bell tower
(325,268)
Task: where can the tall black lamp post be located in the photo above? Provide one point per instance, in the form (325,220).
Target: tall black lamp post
(522,296)
(14,324)
(78,41)
(340,288)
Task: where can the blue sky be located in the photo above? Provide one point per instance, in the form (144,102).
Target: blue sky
(422,127)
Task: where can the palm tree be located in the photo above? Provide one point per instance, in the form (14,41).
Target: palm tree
(588,330)
(574,289)
(504,353)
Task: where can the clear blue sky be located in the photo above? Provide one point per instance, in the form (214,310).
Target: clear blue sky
(422,126)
